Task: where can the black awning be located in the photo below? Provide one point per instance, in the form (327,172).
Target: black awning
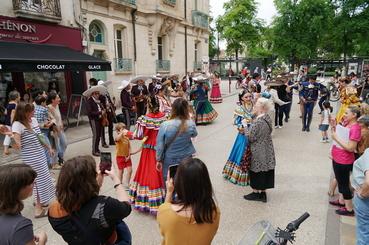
(26,57)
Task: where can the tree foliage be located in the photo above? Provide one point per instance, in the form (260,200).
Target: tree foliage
(239,25)
(301,27)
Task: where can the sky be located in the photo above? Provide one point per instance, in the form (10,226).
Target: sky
(266,9)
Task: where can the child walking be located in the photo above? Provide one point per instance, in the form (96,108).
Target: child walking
(324,121)
(123,153)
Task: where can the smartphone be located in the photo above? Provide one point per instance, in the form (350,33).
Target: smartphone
(173,170)
(105,161)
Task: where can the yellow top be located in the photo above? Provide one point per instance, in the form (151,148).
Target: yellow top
(180,230)
(122,147)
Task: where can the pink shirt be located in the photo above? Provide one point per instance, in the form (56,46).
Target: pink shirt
(342,156)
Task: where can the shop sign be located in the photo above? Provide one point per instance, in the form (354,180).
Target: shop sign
(20,30)
(94,67)
(50,67)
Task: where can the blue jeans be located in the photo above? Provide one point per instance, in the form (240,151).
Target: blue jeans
(61,144)
(361,207)
(123,233)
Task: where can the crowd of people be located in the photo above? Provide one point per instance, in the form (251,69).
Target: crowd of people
(165,115)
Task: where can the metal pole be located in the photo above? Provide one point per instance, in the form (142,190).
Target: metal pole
(185,16)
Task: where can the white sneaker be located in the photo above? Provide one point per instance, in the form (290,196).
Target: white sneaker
(327,141)
(276,127)
(323,141)
(280,126)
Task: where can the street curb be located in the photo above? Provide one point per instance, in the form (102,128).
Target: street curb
(332,228)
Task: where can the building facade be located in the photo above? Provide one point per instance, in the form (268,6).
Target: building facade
(146,37)
(40,22)
(138,37)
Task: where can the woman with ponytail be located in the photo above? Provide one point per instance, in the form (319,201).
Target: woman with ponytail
(173,143)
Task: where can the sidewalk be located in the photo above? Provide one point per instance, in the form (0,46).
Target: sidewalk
(83,131)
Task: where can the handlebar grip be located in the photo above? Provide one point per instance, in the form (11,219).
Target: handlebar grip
(294,225)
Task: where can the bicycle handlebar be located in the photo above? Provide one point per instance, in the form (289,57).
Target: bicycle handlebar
(294,225)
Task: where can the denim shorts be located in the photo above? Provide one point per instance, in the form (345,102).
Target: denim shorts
(323,127)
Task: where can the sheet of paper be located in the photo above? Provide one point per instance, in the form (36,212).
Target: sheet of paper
(343,134)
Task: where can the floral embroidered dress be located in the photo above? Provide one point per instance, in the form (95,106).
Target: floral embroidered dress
(215,95)
(205,113)
(147,190)
(236,168)
(348,97)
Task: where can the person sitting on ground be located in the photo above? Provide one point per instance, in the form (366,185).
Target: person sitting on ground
(193,210)
(82,216)
(16,185)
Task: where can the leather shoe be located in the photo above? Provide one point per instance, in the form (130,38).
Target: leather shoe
(253,196)
(112,143)
(105,146)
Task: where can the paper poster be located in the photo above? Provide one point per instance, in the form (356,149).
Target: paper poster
(343,134)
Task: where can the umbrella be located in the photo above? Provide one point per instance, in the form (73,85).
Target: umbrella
(106,83)
(98,88)
(138,78)
(123,84)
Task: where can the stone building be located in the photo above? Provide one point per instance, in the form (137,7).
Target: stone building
(138,37)
(145,37)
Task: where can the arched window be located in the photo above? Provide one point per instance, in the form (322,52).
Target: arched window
(96,33)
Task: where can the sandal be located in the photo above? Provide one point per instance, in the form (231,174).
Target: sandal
(42,214)
(336,203)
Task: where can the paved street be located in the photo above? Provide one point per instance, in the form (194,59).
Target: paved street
(302,175)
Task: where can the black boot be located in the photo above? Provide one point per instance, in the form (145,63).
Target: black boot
(253,196)
(263,196)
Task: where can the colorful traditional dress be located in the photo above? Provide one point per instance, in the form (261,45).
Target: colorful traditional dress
(205,113)
(236,168)
(348,97)
(164,105)
(216,96)
(147,190)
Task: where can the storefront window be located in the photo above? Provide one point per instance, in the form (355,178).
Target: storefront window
(47,81)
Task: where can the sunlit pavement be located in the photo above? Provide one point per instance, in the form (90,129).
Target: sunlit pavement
(302,175)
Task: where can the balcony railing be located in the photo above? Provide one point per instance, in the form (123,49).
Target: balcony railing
(47,10)
(162,65)
(197,65)
(200,19)
(123,65)
(170,2)
(132,2)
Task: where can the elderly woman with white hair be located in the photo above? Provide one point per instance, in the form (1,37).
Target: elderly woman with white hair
(263,162)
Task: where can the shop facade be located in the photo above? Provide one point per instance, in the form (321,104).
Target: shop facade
(34,32)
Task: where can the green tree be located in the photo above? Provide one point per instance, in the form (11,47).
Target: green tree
(300,28)
(239,25)
(213,49)
(350,33)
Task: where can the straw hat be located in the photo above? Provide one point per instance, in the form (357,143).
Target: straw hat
(98,88)
(123,84)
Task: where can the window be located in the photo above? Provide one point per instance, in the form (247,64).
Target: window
(196,52)
(160,48)
(96,33)
(119,44)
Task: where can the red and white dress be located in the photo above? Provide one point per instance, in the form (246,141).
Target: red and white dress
(216,96)
(147,190)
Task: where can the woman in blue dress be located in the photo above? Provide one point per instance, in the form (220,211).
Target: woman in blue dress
(236,168)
